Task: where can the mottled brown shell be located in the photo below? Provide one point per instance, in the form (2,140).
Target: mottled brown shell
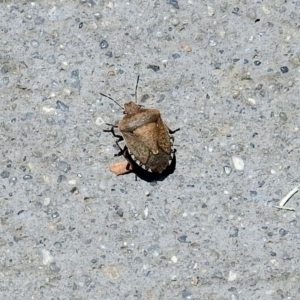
(146,136)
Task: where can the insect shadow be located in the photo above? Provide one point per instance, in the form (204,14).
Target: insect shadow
(148,144)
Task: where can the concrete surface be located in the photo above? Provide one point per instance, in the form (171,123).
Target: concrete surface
(228,77)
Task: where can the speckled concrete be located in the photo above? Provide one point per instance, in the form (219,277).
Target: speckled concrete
(226,73)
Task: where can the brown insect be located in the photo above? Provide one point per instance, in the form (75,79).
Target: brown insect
(147,138)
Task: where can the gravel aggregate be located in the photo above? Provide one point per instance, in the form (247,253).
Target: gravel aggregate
(226,73)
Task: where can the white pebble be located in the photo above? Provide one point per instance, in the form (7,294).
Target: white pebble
(232,276)
(145,213)
(46,256)
(238,163)
(99,121)
(252,101)
(210,11)
(174,259)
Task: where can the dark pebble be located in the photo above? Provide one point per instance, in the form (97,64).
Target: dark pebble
(257,62)
(4,70)
(4,174)
(109,54)
(62,106)
(273,253)
(54,267)
(61,178)
(253,193)
(39,20)
(153,67)
(235,10)
(103,44)
(61,123)
(55,215)
(120,212)
(182,239)
(60,227)
(5,80)
(75,74)
(176,55)
(80,24)
(27,177)
(186,294)
(284,70)
(63,166)
(282,232)
(50,121)
(235,234)
(246,61)
(37,56)
(174,3)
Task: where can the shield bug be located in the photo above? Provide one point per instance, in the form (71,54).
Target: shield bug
(147,138)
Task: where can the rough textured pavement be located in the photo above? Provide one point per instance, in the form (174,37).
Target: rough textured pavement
(226,73)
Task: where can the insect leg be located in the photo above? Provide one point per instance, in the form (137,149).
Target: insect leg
(173,131)
(119,138)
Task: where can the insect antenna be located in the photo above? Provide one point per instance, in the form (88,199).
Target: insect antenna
(136,86)
(111,99)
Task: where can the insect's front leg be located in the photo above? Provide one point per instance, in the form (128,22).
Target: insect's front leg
(119,138)
(173,131)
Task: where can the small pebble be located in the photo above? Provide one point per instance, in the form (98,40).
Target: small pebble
(252,101)
(5,80)
(39,20)
(153,67)
(283,116)
(282,232)
(174,3)
(55,215)
(174,259)
(284,70)
(187,294)
(176,55)
(13,181)
(212,41)
(113,272)
(62,106)
(46,256)
(111,73)
(210,11)
(4,69)
(51,60)
(145,213)
(175,21)
(27,177)
(257,62)
(63,166)
(238,163)
(251,13)
(155,250)
(186,48)
(182,239)
(227,170)
(4,174)
(98,16)
(232,276)
(103,44)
